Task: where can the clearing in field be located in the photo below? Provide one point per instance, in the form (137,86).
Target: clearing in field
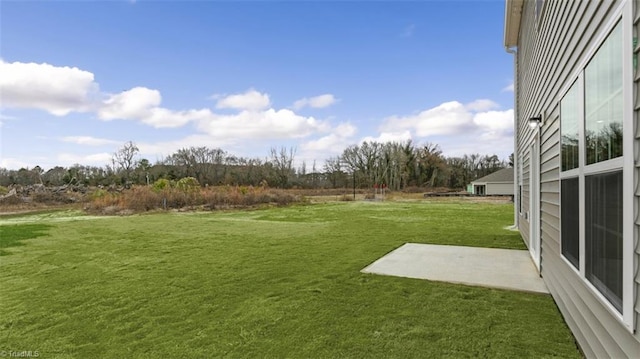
(279,282)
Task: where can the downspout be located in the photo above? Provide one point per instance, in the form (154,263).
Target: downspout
(516,160)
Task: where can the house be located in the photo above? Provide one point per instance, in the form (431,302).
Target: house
(577,160)
(499,183)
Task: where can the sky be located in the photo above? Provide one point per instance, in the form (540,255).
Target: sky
(80,79)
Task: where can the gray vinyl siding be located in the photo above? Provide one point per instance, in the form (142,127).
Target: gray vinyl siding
(549,53)
(499,189)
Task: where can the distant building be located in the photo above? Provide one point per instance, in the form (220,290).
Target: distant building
(499,183)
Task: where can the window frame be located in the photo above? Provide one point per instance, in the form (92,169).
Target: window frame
(577,172)
(593,277)
(621,16)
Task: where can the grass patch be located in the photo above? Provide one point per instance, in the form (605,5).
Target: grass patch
(14,235)
(279,282)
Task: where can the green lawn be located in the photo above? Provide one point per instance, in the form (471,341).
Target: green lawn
(280,282)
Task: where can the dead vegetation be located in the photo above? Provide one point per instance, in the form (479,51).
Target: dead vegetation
(187,194)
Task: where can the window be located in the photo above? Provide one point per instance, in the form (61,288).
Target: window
(603,219)
(570,232)
(570,113)
(603,101)
(591,171)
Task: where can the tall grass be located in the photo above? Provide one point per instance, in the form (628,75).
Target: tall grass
(147,198)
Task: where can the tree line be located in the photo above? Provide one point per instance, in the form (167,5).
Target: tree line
(397,165)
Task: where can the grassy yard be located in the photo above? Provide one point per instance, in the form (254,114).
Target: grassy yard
(280,282)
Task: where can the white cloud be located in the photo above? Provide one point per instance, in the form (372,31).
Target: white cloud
(345,130)
(250,100)
(482,105)
(57,90)
(129,105)
(477,127)
(321,101)
(445,119)
(89,140)
(497,121)
(389,137)
(13,163)
(452,118)
(61,90)
(334,142)
(492,134)
(164,118)
(164,148)
(141,103)
(331,143)
(268,124)
(485,144)
(508,88)
(95,159)
(495,133)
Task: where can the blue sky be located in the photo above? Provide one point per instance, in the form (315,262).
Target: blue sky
(79,79)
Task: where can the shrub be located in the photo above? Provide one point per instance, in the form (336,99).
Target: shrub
(188,184)
(283,198)
(50,198)
(161,184)
(187,193)
(141,198)
(108,203)
(11,200)
(3,190)
(98,193)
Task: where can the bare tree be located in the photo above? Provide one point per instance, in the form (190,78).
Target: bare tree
(282,162)
(125,158)
(38,171)
(334,172)
(432,165)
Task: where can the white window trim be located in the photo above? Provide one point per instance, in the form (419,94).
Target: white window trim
(623,14)
(608,165)
(573,173)
(628,195)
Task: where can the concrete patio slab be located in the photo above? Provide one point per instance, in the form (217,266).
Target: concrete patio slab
(488,267)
